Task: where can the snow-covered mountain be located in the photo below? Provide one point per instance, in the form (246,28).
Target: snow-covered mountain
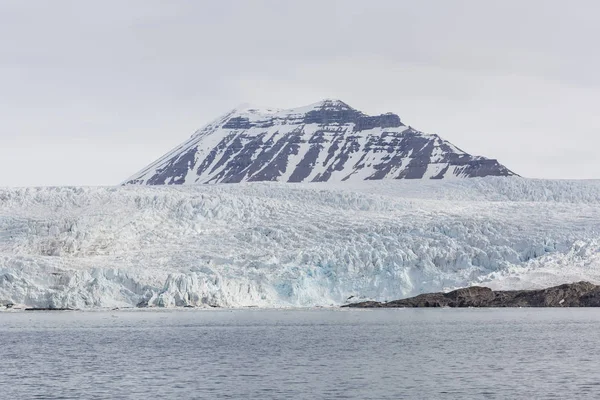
(270,244)
(326,141)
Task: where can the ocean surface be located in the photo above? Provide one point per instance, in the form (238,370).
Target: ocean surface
(301,354)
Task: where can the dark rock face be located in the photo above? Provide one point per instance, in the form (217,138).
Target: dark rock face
(384,121)
(328,141)
(332,116)
(580,294)
(238,123)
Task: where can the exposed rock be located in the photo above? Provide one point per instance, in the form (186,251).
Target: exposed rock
(142,304)
(579,294)
(6,304)
(388,120)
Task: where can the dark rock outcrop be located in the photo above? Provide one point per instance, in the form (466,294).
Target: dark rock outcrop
(579,294)
(142,304)
(388,120)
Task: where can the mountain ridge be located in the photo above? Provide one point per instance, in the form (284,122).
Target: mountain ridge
(324,141)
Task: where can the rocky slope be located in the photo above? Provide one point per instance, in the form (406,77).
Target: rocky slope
(326,141)
(580,294)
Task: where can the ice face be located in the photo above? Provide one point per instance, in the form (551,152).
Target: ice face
(278,245)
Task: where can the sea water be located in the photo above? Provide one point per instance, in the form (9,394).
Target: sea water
(301,354)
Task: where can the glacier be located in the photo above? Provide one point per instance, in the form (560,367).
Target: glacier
(270,244)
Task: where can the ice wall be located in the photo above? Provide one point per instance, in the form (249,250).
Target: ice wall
(273,244)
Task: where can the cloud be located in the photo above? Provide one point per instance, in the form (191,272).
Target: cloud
(93,91)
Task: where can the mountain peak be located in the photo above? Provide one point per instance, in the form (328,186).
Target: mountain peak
(324,141)
(323,105)
(332,104)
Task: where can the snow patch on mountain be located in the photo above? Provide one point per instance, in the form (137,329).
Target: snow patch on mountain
(277,245)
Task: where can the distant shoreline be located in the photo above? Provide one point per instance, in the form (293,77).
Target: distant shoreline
(579,294)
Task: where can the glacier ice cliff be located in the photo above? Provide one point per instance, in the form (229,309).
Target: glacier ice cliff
(271,244)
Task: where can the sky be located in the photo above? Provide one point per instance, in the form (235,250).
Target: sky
(93,91)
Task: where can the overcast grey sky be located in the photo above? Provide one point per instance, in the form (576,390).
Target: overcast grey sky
(92,91)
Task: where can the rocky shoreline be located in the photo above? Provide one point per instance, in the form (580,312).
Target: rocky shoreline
(579,294)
